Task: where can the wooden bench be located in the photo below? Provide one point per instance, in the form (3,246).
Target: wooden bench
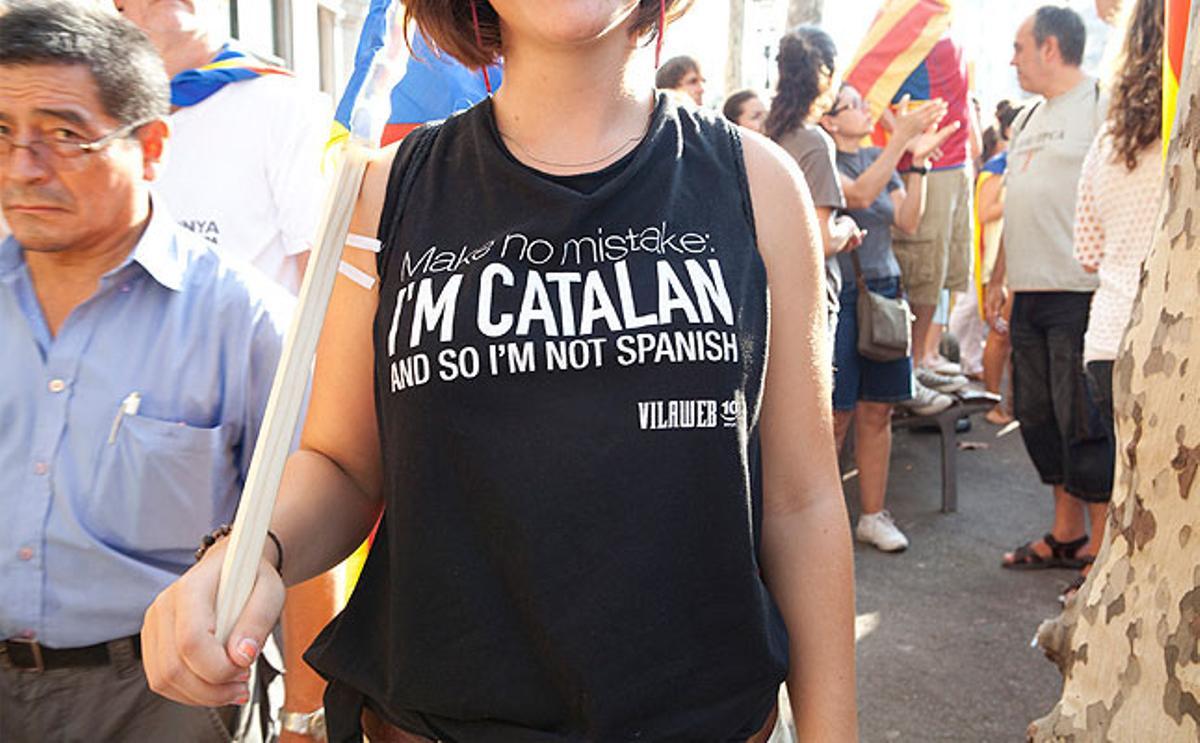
(966,402)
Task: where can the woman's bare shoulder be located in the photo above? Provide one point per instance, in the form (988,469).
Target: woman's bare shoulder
(779,194)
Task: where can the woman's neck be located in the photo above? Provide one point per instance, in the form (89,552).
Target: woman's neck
(572,109)
(846,143)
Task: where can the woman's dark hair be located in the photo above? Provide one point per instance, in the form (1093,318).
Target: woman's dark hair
(1135,113)
(990,143)
(1006,114)
(130,80)
(734,103)
(807,56)
(672,72)
(448,25)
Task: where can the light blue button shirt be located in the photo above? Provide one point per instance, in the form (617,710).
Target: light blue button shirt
(102,511)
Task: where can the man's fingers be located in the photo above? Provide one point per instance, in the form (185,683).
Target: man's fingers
(257,619)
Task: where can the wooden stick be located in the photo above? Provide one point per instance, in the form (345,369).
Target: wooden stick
(287,395)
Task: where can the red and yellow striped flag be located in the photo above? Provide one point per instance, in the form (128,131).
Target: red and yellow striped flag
(1176,39)
(900,37)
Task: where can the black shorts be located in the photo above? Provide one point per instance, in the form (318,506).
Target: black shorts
(1061,422)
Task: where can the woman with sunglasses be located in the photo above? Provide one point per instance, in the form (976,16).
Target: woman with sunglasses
(606,516)
(865,391)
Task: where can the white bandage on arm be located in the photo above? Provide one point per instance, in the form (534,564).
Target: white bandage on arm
(362,242)
(356,274)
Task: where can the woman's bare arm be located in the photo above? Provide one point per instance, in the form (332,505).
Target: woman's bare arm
(807,560)
(328,501)
(330,495)
(991,199)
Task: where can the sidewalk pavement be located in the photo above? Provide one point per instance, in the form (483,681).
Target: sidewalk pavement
(944,632)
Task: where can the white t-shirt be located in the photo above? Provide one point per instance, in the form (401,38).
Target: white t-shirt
(1044,161)
(243,170)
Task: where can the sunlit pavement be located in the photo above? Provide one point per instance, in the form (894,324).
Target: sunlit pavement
(943,632)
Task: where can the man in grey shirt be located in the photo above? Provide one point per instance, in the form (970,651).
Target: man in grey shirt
(1051,292)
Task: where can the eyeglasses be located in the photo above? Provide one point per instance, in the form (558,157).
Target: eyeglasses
(62,144)
(838,107)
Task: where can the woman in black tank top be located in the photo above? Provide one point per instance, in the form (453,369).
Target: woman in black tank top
(605,515)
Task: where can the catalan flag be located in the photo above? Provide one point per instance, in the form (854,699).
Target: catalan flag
(897,42)
(231,65)
(378,108)
(1178,12)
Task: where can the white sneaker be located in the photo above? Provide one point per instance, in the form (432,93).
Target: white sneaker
(880,530)
(940,382)
(943,365)
(926,401)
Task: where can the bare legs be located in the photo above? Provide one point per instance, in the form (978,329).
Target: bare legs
(922,322)
(996,355)
(872,448)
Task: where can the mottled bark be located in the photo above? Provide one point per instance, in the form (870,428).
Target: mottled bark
(804,11)
(1127,642)
(733,62)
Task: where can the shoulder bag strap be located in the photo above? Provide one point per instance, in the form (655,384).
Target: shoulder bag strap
(859,279)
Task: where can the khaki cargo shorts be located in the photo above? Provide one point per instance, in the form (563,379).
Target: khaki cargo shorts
(939,255)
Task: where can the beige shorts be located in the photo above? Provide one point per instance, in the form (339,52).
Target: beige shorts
(939,255)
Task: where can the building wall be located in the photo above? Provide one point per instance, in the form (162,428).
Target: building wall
(316,39)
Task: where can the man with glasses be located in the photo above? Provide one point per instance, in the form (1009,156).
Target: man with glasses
(136,366)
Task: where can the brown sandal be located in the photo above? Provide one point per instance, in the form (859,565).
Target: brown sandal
(1062,555)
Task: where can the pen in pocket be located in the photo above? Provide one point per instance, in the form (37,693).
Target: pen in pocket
(129,406)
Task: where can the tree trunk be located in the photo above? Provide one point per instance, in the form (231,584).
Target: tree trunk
(1127,642)
(804,11)
(737,29)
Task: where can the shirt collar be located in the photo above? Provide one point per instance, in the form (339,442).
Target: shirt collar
(10,257)
(157,251)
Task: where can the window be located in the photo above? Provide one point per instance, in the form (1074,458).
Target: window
(264,28)
(327,49)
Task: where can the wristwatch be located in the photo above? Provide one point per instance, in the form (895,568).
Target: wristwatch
(918,169)
(311,724)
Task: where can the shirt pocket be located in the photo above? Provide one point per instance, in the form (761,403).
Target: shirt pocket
(160,485)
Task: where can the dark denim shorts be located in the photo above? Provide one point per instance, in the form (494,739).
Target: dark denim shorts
(1061,422)
(857,378)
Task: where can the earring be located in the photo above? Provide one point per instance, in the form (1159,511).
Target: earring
(487,81)
(662,29)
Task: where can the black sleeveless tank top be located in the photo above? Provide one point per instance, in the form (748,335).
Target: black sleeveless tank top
(568,386)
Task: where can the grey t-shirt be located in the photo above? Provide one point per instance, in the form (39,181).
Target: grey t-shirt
(1044,162)
(813,150)
(875,254)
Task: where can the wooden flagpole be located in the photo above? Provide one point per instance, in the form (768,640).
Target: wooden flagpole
(249,532)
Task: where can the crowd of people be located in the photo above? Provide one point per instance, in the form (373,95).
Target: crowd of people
(1040,259)
(555,544)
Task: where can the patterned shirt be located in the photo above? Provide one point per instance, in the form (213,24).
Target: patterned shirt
(1114,226)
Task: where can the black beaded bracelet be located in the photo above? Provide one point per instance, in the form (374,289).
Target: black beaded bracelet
(222,531)
(208,540)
